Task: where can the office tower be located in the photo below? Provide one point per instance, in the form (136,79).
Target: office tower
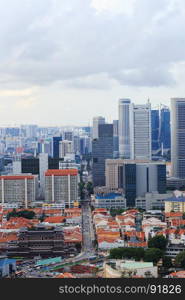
(65,148)
(17,167)
(29,131)
(155,123)
(165,130)
(76,144)
(68,135)
(96,122)
(136,178)
(61,186)
(20,189)
(30,165)
(85,145)
(140,133)
(56,143)
(178,137)
(102,149)
(116,138)
(43,167)
(124,128)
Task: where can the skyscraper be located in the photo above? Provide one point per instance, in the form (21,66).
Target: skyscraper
(116,138)
(56,145)
(140,132)
(102,149)
(178,137)
(165,129)
(155,131)
(96,122)
(124,128)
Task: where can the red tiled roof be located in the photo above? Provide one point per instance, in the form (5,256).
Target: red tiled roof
(17,177)
(63,172)
(55,219)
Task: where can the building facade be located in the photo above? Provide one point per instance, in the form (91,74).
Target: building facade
(61,186)
(20,189)
(102,149)
(178,137)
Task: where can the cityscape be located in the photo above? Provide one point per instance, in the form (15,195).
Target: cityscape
(101,201)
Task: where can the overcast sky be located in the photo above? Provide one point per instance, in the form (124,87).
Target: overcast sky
(64,61)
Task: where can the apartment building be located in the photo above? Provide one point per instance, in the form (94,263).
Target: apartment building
(61,186)
(19,189)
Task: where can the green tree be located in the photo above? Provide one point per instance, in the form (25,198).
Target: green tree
(167,262)
(27,214)
(158,241)
(90,188)
(153,255)
(180,259)
(135,253)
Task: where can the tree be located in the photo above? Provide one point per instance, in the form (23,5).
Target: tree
(180,259)
(167,262)
(153,255)
(158,241)
(90,188)
(27,214)
(135,253)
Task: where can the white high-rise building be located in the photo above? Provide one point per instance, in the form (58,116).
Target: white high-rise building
(178,137)
(43,167)
(65,147)
(96,122)
(124,128)
(140,132)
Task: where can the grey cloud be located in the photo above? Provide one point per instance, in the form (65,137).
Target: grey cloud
(45,41)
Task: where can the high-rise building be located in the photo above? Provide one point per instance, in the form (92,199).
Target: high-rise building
(20,189)
(155,119)
(56,144)
(43,167)
(116,138)
(65,147)
(124,128)
(178,137)
(61,186)
(165,130)
(68,136)
(140,132)
(102,149)
(96,122)
(136,178)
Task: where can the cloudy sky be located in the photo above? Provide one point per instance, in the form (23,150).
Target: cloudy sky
(64,61)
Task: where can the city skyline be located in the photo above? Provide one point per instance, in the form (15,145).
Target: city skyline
(58,63)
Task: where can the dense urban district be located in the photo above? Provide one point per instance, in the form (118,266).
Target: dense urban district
(101,201)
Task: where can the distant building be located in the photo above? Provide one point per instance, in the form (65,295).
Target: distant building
(176,204)
(96,122)
(124,128)
(110,201)
(135,177)
(102,149)
(21,189)
(140,132)
(155,132)
(116,138)
(65,148)
(56,145)
(61,186)
(178,137)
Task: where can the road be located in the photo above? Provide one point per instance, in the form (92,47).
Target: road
(87,229)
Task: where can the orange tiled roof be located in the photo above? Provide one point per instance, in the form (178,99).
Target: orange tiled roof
(65,275)
(55,219)
(62,172)
(173,214)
